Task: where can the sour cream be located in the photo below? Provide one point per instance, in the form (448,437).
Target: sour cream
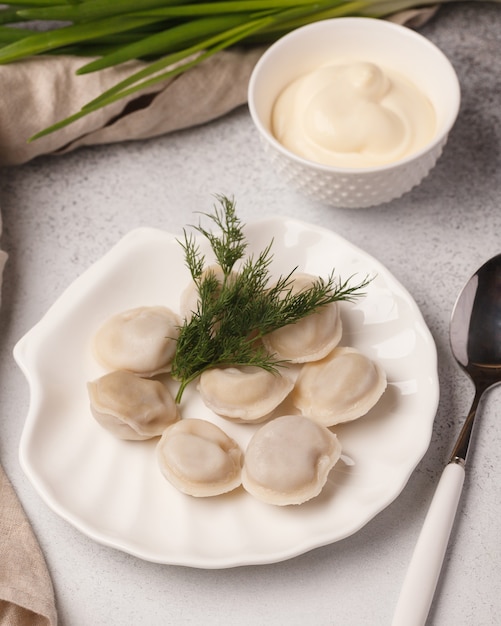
(353,115)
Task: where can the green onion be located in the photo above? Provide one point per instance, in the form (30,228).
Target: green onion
(90,10)
(177,38)
(43,42)
(170,35)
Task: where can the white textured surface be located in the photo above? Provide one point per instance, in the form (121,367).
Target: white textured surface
(61,214)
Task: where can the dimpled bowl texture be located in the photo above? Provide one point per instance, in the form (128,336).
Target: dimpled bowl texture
(381,42)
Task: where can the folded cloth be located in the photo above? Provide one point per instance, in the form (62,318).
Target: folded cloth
(26,593)
(43,90)
(37,92)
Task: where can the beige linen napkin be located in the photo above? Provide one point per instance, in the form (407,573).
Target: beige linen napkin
(38,92)
(26,594)
(49,91)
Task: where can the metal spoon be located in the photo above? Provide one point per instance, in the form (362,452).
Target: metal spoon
(475,335)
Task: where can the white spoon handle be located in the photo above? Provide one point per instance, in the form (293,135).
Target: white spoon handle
(421,579)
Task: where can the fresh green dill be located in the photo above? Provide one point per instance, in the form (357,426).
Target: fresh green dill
(238,307)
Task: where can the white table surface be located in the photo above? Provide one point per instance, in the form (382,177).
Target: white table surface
(61,214)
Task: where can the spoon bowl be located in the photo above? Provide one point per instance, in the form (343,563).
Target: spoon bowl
(475,337)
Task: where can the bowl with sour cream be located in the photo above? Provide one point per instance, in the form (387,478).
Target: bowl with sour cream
(353,112)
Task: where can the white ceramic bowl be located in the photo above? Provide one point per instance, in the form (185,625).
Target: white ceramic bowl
(384,43)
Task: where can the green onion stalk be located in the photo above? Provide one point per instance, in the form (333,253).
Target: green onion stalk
(171,36)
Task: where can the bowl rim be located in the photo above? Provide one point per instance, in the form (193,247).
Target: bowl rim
(338,22)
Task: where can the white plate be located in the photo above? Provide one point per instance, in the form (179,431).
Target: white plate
(113,491)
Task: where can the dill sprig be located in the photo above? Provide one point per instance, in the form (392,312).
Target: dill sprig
(234,312)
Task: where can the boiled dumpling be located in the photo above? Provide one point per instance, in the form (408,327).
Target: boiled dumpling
(287,460)
(341,387)
(245,394)
(312,337)
(140,340)
(131,407)
(199,459)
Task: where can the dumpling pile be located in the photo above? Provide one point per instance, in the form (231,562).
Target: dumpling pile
(288,459)
(135,345)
